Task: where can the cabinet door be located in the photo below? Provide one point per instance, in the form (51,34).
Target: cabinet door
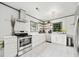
(37,39)
(10,46)
(53,38)
(61,39)
(34,40)
(41,38)
(44,38)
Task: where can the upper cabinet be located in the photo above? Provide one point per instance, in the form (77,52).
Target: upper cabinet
(33,26)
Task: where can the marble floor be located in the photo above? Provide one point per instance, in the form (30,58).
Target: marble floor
(51,50)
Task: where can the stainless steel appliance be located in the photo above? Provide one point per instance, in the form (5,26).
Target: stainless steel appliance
(24,43)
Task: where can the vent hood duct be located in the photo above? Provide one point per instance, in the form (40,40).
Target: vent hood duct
(22,16)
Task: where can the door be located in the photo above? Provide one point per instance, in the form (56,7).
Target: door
(77,36)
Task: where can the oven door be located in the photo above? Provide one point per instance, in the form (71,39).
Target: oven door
(25,42)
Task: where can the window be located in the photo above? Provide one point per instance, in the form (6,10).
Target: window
(33,26)
(57,27)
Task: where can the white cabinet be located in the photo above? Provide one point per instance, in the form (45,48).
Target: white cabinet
(37,39)
(10,46)
(58,38)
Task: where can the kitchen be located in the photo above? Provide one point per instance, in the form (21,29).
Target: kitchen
(26,25)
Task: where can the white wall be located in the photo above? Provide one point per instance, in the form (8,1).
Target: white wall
(5,17)
(67,24)
(5,25)
(26,26)
(76,28)
(28,18)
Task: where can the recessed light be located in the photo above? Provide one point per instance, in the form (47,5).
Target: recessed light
(37,8)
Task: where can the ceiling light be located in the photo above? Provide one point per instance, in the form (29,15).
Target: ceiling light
(54,12)
(37,8)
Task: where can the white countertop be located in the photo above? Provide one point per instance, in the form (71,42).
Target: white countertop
(3,37)
(58,32)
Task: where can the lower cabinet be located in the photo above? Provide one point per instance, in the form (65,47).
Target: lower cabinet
(1,52)
(10,46)
(37,39)
(59,38)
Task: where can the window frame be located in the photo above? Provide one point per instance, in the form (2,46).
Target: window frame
(31,26)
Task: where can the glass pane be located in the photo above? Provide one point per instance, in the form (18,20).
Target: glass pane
(57,27)
(33,26)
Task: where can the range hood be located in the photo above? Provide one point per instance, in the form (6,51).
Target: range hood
(22,20)
(22,16)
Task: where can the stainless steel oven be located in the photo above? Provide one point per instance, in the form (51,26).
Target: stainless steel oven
(24,44)
(24,41)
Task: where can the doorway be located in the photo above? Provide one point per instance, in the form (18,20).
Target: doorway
(77,36)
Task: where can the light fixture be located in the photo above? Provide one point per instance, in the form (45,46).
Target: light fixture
(37,8)
(53,12)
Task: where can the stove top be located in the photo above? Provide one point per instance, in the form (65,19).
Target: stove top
(21,33)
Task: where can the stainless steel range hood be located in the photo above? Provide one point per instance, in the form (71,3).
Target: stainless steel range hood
(22,16)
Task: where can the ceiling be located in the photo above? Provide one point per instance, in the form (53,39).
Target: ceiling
(46,10)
